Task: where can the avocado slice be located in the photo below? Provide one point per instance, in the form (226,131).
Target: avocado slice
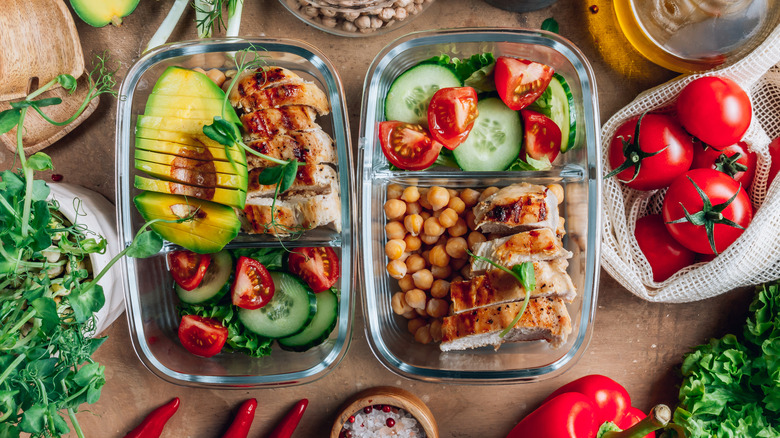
(199,140)
(229,197)
(163,104)
(183,82)
(211,228)
(175,124)
(193,176)
(99,13)
(187,112)
(189,163)
(188,151)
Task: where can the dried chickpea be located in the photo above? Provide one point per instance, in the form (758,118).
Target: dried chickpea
(471,220)
(441,271)
(440,288)
(423,279)
(395,208)
(217,76)
(470,197)
(415,323)
(474,238)
(413,243)
(394,191)
(395,230)
(396,269)
(424,199)
(406,283)
(457,204)
(437,308)
(432,227)
(435,330)
(423,335)
(399,304)
(395,248)
(448,217)
(487,193)
(414,263)
(557,190)
(456,247)
(429,240)
(438,256)
(415,298)
(413,208)
(413,224)
(438,197)
(410,194)
(459,229)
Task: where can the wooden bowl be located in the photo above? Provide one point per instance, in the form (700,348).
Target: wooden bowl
(387,395)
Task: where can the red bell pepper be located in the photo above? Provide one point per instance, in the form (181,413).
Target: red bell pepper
(243,421)
(287,426)
(153,424)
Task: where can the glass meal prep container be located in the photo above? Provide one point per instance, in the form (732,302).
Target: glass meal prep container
(150,298)
(578,171)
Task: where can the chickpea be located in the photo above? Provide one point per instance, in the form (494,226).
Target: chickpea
(439,256)
(437,308)
(395,208)
(458,263)
(217,76)
(456,247)
(422,312)
(438,197)
(395,248)
(471,220)
(474,238)
(426,256)
(199,70)
(425,214)
(487,193)
(395,230)
(413,208)
(423,335)
(435,330)
(424,199)
(414,324)
(414,263)
(453,193)
(394,191)
(396,269)
(459,229)
(423,279)
(470,197)
(442,240)
(411,314)
(456,278)
(415,298)
(441,271)
(465,271)
(399,304)
(429,240)
(433,227)
(410,194)
(440,288)
(413,243)
(406,283)
(457,204)
(557,190)
(448,217)
(413,224)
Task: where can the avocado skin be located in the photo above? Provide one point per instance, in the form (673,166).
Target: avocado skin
(229,197)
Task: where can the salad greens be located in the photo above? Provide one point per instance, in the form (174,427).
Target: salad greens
(731,386)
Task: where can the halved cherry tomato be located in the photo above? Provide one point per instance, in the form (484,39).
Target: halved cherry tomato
(253,287)
(408,146)
(318,267)
(202,336)
(735,161)
(451,115)
(542,136)
(520,82)
(187,268)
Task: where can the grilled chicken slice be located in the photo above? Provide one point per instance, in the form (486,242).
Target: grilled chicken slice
(251,81)
(545,318)
(528,246)
(274,87)
(499,287)
(314,179)
(294,213)
(518,207)
(273,121)
(313,147)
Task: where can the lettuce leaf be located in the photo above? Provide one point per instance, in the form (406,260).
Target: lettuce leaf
(475,71)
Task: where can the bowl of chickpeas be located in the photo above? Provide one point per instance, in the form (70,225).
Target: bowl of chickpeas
(418,228)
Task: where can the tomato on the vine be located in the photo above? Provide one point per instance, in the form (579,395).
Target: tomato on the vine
(650,151)
(520,82)
(408,146)
(318,267)
(253,286)
(188,268)
(542,136)
(202,336)
(715,110)
(735,161)
(451,115)
(665,255)
(718,210)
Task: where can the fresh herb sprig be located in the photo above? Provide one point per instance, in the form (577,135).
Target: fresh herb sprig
(210,15)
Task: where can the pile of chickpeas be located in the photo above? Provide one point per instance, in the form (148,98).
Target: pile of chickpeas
(355,16)
(428,232)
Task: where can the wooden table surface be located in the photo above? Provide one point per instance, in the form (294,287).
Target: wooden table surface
(639,344)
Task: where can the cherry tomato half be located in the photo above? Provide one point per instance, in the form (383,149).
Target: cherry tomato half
(542,136)
(724,160)
(519,82)
(718,188)
(408,146)
(253,287)
(451,115)
(715,110)
(188,268)
(202,336)
(318,267)
(665,255)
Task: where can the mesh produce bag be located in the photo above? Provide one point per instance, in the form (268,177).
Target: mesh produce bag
(755,257)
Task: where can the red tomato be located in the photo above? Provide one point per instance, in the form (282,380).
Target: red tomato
(408,146)
(774,152)
(188,268)
(659,134)
(451,115)
(632,417)
(665,255)
(202,336)
(742,168)
(318,267)
(542,136)
(718,188)
(253,287)
(519,81)
(714,110)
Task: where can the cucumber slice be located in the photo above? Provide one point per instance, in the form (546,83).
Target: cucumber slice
(319,328)
(408,97)
(215,281)
(495,140)
(289,311)
(561,111)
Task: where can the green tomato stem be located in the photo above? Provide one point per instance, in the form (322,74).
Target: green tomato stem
(659,417)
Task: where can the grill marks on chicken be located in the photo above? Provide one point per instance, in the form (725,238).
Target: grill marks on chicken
(518,207)
(314,147)
(528,246)
(274,87)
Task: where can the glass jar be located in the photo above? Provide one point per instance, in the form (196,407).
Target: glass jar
(356,18)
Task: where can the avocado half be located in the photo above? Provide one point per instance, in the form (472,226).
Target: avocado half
(99,13)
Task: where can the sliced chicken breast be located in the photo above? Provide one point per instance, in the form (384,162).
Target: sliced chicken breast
(528,246)
(252,81)
(545,318)
(313,147)
(273,121)
(518,207)
(294,213)
(311,178)
(257,97)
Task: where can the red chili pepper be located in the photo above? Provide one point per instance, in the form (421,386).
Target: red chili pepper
(153,424)
(287,426)
(243,421)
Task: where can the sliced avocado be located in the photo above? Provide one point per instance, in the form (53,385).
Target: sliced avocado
(183,82)
(164,104)
(190,176)
(177,137)
(192,112)
(188,163)
(185,126)
(229,197)
(99,13)
(188,151)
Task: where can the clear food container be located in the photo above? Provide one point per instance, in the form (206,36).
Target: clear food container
(578,171)
(151,301)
